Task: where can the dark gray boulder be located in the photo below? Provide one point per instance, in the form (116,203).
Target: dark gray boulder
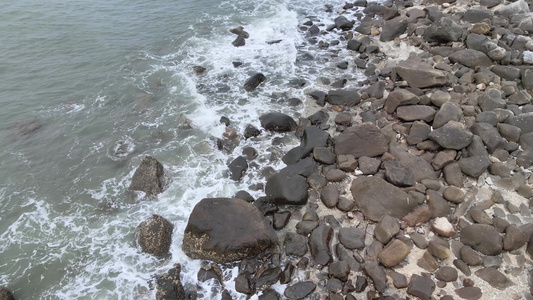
(523,121)
(319,244)
(361,140)
(239,41)
(453,135)
(287,188)
(449,111)
(491,100)
(343,97)
(377,274)
(393,29)
(238,168)
(376,198)
(494,277)
(149,177)
(443,30)
(420,75)
(299,290)
(169,285)
(421,287)
(398,174)
(343,23)
(474,166)
(276,121)
(400,97)
(154,235)
(483,238)
(470,58)
(254,81)
(489,135)
(225,230)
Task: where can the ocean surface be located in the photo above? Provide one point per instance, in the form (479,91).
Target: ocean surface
(89,88)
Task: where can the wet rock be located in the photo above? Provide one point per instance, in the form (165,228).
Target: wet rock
(352,238)
(514,238)
(319,241)
(276,121)
(421,287)
(169,285)
(453,135)
(386,229)
(251,131)
(400,97)
(304,167)
(155,235)
(420,75)
(6,294)
(225,230)
(474,166)
(149,177)
(329,195)
(416,113)
(254,81)
(287,188)
(443,30)
(238,168)
(268,294)
(483,238)
(269,277)
(377,198)
(470,58)
(361,140)
(239,41)
(240,31)
(377,274)
(494,277)
(449,111)
(360,284)
(295,244)
(397,174)
(394,253)
(244,285)
(343,97)
(343,23)
(319,118)
(469,292)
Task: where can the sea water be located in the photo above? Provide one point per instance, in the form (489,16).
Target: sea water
(89,88)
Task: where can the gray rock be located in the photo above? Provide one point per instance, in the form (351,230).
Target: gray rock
(287,188)
(398,174)
(394,253)
(420,75)
(474,166)
(169,285)
(368,165)
(361,140)
(154,235)
(295,244)
(491,100)
(514,238)
(477,147)
(469,292)
(299,290)
(420,168)
(525,159)
(239,41)
(149,177)
(470,58)
(488,117)
(453,135)
(416,112)
(343,97)
(386,229)
(470,256)
(443,30)
(453,194)
(507,72)
(343,119)
(238,168)
(477,15)
(324,155)
(392,29)
(352,238)
(400,97)
(377,274)
(446,274)
(512,9)
(449,111)
(319,244)
(438,206)
(490,136)
(453,175)
(276,121)
(494,277)
(418,132)
(526,141)
(483,238)
(339,270)
(330,195)
(314,137)
(523,121)
(377,198)
(225,230)
(421,287)
(343,23)
(254,81)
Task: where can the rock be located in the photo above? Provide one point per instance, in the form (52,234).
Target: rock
(453,194)
(418,132)
(512,9)
(377,274)
(319,244)
(491,100)
(276,121)
(361,140)
(439,248)
(354,44)
(418,216)
(240,31)
(469,292)
(169,285)
(238,168)
(254,81)
(470,256)
(509,132)
(225,230)
(343,119)
(421,287)
(514,238)
(251,131)
(453,135)
(523,121)
(443,227)
(377,198)
(477,15)
(428,262)
(525,159)
(6,294)
(324,155)
(494,277)
(386,229)
(368,165)
(335,175)
(453,174)
(347,163)
(339,270)
(295,244)
(420,75)
(506,72)
(149,177)
(449,111)
(474,166)
(342,65)
(330,195)
(416,112)
(319,118)
(443,30)
(287,188)
(155,235)
(314,137)
(470,58)
(239,41)
(299,290)
(352,238)
(392,29)
(304,167)
(343,97)
(269,277)
(360,284)
(483,238)
(397,174)
(446,274)
(394,253)
(488,117)
(400,97)
(281,220)
(490,136)
(342,23)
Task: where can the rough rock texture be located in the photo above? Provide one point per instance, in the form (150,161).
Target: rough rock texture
(169,285)
(420,75)
(421,287)
(149,177)
(287,188)
(155,235)
(377,198)
(361,140)
(225,230)
(453,135)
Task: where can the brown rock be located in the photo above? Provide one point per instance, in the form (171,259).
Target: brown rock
(484,238)
(416,113)
(393,253)
(420,75)
(469,292)
(155,235)
(400,97)
(361,140)
(494,277)
(421,287)
(420,215)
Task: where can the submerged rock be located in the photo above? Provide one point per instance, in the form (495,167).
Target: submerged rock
(276,121)
(149,177)
(225,230)
(253,82)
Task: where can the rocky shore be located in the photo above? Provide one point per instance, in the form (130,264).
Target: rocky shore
(414,182)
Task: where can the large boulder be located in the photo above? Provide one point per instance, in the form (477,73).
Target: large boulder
(225,230)
(149,177)
(276,121)
(169,285)
(420,74)
(453,135)
(443,30)
(483,238)
(154,235)
(376,198)
(343,97)
(362,140)
(393,29)
(287,188)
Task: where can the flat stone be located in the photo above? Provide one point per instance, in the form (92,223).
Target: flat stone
(494,277)
(369,165)
(398,174)
(523,121)
(483,238)
(324,155)
(394,253)
(470,256)
(299,290)
(490,136)
(449,111)
(400,97)
(428,262)
(277,121)
(330,195)
(453,175)
(453,135)
(287,188)
(335,175)
(295,244)
(420,75)
(343,97)
(398,280)
(453,194)
(386,228)
(352,238)
(361,140)
(470,58)
(421,287)
(416,113)
(420,168)
(438,206)
(469,292)
(514,238)
(347,163)
(418,132)
(377,198)
(491,100)
(419,215)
